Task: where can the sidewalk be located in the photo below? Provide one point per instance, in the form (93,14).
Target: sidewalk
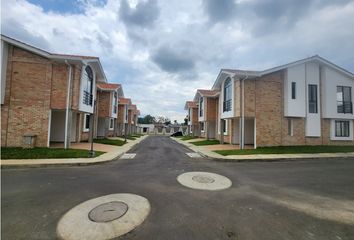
(106,157)
(202,150)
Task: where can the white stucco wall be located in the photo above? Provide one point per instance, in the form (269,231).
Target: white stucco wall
(330,80)
(231,113)
(201,118)
(83,107)
(295,107)
(313,120)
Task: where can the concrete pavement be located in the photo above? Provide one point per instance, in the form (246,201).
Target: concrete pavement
(267,200)
(205,151)
(114,153)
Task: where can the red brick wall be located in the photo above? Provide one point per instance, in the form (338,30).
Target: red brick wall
(27,98)
(269,102)
(104,103)
(121,113)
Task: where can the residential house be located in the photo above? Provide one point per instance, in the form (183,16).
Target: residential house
(44,95)
(132,118)
(207,101)
(123,106)
(307,102)
(107,109)
(193,124)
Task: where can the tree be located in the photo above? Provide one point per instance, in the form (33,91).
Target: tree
(186,121)
(148,119)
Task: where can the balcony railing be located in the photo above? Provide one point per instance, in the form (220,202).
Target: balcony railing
(87,98)
(344,107)
(227,105)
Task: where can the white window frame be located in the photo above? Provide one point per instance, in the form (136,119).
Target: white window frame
(226,127)
(291,122)
(333,130)
(111,124)
(84,129)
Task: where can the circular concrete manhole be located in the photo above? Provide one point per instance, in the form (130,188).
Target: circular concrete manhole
(107,212)
(204,181)
(104,217)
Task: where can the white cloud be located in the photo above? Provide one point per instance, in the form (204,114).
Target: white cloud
(136,50)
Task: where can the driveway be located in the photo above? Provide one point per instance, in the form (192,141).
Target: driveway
(312,199)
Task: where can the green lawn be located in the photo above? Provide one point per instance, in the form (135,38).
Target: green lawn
(206,142)
(186,138)
(115,142)
(137,135)
(41,153)
(288,149)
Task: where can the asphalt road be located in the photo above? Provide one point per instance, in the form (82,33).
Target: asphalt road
(310,199)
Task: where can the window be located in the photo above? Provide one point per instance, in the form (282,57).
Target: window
(344,99)
(227,95)
(224,129)
(115,101)
(87,122)
(88,86)
(293,90)
(201,107)
(290,127)
(111,123)
(189,114)
(312,98)
(342,129)
(202,126)
(126,113)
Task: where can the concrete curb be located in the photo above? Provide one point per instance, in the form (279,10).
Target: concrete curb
(66,162)
(262,157)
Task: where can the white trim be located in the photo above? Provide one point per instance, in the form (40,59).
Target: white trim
(111,120)
(49,126)
(290,120)
(333,130)
(66,140)
(4,58)
(231,113)
(255,134)
(84,129)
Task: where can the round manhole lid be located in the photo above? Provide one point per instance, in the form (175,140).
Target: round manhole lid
(108,212)
(203,179)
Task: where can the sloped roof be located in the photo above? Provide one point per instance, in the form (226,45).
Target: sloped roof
(246,73)
(190,104)
(124,101)
(93,61)
(205,93)
(108,86)
(132,107)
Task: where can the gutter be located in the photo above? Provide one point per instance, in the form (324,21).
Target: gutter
(242,145)
(66,140)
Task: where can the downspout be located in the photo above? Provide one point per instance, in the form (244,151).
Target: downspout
(66,140)
(243,114)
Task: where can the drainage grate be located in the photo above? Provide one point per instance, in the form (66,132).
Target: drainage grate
(128,156)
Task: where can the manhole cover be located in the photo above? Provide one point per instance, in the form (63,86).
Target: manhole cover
(108,212)
(203,179)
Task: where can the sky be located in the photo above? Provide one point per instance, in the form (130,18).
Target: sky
(162,51)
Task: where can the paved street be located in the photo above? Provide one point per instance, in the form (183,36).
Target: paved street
(312,199)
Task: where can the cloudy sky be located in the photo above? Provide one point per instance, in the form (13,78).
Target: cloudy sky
(163,50)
